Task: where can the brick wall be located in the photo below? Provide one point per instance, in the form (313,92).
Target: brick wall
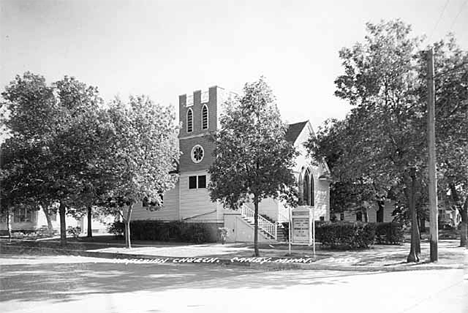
(186,145)
(196,108)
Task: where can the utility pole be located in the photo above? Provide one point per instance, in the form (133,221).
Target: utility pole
(433,207)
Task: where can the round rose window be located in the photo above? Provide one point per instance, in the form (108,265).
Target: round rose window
(197,154)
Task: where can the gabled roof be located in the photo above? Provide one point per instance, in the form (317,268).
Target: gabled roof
(294,130)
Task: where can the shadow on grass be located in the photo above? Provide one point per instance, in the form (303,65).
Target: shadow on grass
(84,243)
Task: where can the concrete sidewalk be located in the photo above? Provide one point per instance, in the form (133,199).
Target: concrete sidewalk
(378,258)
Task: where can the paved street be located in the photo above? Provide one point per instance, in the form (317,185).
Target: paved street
(79,284)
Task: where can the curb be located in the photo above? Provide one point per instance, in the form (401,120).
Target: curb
(257,263)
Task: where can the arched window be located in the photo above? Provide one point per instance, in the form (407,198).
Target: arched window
(189,120)
(205,117)
(306,188)
(308,194)
(301,187)
(312,192)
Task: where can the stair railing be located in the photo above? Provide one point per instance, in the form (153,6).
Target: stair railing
(264,224)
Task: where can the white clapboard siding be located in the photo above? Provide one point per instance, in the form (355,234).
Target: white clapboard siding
(195,204)
(169,211)
(372,213)
(321,200)
(388,210)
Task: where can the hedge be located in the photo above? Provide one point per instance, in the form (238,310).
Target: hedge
(346,235)
(341,235)
(357,235)
(389,233)
(176,231)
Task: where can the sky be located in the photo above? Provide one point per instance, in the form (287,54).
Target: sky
(166,48)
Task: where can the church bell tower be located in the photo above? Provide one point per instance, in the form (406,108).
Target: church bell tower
(198,115)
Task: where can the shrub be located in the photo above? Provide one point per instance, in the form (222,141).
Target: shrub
(17,235)
(74,231)
(285,230)
(44,232)
(194,233)
(389,233)
(116,228)
(178,231)
(345,234)
(223,233)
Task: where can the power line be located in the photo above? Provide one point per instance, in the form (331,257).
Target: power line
(438,21)
(459,12)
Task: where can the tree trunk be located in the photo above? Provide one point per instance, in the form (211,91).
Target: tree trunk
(63,225)
(256,252)
(463,210)
(50,227)
(464,225)
(90,226)
(415,247)
(418,239)
(8,222)
(463,234)
(422,225)
(380,212)
(127,227)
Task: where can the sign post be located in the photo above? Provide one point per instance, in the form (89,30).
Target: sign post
(302,227)
(290,232)
(313,230)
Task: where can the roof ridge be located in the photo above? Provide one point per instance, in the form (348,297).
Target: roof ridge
(294,130)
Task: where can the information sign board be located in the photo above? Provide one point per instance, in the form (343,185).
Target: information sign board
(300,229)
(300,226)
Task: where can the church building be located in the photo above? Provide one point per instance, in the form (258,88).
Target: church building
(189,200)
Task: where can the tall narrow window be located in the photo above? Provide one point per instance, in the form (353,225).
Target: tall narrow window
(308,194)
(312,191)
(189,120)
(305,187)
(205,117)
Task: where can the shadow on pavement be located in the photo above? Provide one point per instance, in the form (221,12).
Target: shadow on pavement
(52,278)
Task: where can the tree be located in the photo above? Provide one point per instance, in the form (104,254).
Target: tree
(384,134)
(253,159)
(383,138)
(346,192)
(10,177)
(143,153)
(451,84)
(51,136)
(97,180)
(31,110)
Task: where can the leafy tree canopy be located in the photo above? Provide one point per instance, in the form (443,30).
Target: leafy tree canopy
(55,143)
(142,156)
(382,142)
(253,159)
